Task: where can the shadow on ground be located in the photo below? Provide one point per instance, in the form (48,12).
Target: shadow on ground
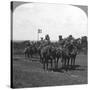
(69,68)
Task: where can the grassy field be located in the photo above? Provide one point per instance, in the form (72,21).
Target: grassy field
(27,73)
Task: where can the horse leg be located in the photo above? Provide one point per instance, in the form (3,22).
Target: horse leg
(44,65)
(51,64)
(67,62)
(25,55)
(41,59)
(57,62)
(31,55)
(71,61)
(47,64)
(28,55)
(67,66)
(74,61)
(62,62)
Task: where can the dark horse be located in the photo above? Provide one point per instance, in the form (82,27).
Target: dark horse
(26,52)
(73,54)
(69,53)
(47,55)
(30,51)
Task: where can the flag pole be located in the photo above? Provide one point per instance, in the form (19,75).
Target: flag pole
(38,36)
(39,31)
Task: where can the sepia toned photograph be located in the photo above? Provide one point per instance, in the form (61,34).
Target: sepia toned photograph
(49,44)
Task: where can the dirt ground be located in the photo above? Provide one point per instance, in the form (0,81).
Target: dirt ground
(30,73)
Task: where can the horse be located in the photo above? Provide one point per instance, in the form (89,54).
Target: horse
(47,56)
(71,51)
(57,55)
(27,52)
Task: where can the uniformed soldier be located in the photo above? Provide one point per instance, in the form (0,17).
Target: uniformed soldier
(42,41)
(60,41)
(60,37)
(47,40)
(70,38)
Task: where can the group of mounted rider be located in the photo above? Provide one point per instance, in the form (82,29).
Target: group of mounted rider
(64,50)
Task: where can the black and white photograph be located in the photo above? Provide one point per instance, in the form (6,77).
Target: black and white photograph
(49,44)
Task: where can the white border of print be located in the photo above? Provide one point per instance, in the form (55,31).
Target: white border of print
(5,45)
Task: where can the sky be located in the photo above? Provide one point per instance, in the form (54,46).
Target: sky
(53,19)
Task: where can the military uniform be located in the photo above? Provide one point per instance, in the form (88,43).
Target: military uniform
(47,40)
(60,42)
